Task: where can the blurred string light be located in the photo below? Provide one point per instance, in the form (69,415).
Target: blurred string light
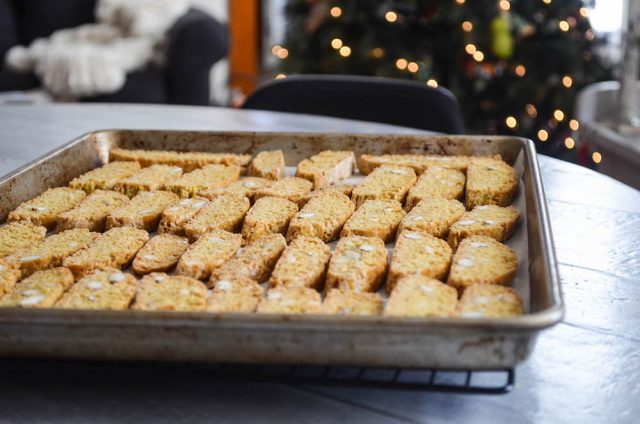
(335,12)
(574,125)
(558,115)
(520,70)
(413,67)
(280,52)
(281,76)
(546,1)
(336,43)
(511,122)
(504,5)
(391,16)
(345,51)
(401,64)
(567,81)
(563,25)
(532,112)
(377,52)
(470,48)
(478,56)
(432,83)
(467,26)
(460,1)
(569,143)
(597,157)
(543,135)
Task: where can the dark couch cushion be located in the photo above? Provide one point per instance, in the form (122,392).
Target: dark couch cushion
(142,86)
(8,30)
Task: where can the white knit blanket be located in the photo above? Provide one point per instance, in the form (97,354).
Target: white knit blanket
(94,59)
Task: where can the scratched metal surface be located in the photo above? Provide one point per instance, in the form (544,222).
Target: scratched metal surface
(586,369)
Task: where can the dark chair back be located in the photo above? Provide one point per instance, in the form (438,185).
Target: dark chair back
(390,101)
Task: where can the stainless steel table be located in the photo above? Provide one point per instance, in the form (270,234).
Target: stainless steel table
(585,370)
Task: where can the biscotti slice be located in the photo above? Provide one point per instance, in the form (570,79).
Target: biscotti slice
(291,188)
(174,218)
(487,220)
(345,189)
(188,161)
(112,249)
(420,163)
(143,211)
(269,215)
(247,187)
(326,168)
(108,289)
(44,209)
(210,176)
(375,218)
(418,253)
(358,264)
(162,292)
(92,212)
(237,295)
(323,216)
(160,254)
(482,260)
(148,179)
(489,301)
(436,183)
(420,296)
(40,290)
(290,300)
(433,216)
(490,182)
(19,235)
(222,213)
(302,264)
(269,165)
(255,261)
(105,177)
(385,182)
(340,302)
(52,250)
(208,253)
(9,276)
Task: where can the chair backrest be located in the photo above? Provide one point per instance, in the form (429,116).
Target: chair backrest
(390,101)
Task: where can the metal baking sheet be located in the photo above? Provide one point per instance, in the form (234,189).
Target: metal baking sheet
(293,339)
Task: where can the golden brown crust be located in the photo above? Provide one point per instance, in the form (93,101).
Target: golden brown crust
(268,165)
(143,211)
(45,208)
(161,292)
(291,188)
(487,220)
(437,183)
(338,302)
(386,182)
(358,264)
(327,167)
(40,290)
(489,301)
(175,217)
(323,216)
(207,177)
(269,215)
(420,296)
(160,254)
(105,177)
(147,179)
(375,218)
(225,212)
(490,182)
(92,212)
(302,264)
(237,295)
(290,300)
(19,235)
(188,161)
(209,252)
(108,289)
(433,216)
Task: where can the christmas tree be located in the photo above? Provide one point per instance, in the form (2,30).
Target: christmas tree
(514,65)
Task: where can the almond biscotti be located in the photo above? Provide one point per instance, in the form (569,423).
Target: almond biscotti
(222,213)
(419,163)
(160,254)
(291,188)
(247,187)
(112,249)
(162,292)
(92,212)
(188,161)
(148,179)
(418,253)
(302,264)
(143,211)
(19,235)
(237,295)
(420,296)
(44,209)
(208,253)
(375,218)
(269,215)
(482,260)
(108,289)
(323,217)
(40,290)
(433,216)
(436,183)
(208,177)
(269,165)
(326,168)
(290,300)
(338,302)
(490,182)
(489,301)
(105,177)
(487,220)
(358,264)
(386,182)
(175,217)
(9,276)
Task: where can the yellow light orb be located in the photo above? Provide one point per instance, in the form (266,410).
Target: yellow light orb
(504,5)
(546,1)
(345,51)
(391,16)
(377,52)
(558,114)
(563,25)
(460,1)
(432,83)
(531,110)
(511,122)
(543,135)
(478,56)
(470,48)
(280,76)
(467,26)
(275,49)
(597,157)
(413,67)
(584,12)
(401,64)
(569,143)
(282,53)
(521,70)
(567,81)
(335,12)
(336,43)
(574,125)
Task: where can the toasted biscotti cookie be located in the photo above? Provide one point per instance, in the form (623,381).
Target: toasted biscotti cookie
(419,163)
(44,209)
(108,289)
(420,296)
(358,264)
(188,161)
(269,165)
(9,276)
(291,188)
(326,168)
(162,292)
(482,260)
(105,177)
(222,213)
(51,251)
(143,211)
(237,295)
(302,264)
(174,218)
(489,301)
(436,183)
(490,182)
(209,252)
(247,187)
(323,216)
(148,179)
(208,177)
(112,249)
(269,215)
(340,302)
(160,254)
(487,220)
(92,212)
(255,261)
(418,253)
(385,182)
(290,300)
(345,189)
(19,235)
(40,290)
(433,216)
(375,218)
